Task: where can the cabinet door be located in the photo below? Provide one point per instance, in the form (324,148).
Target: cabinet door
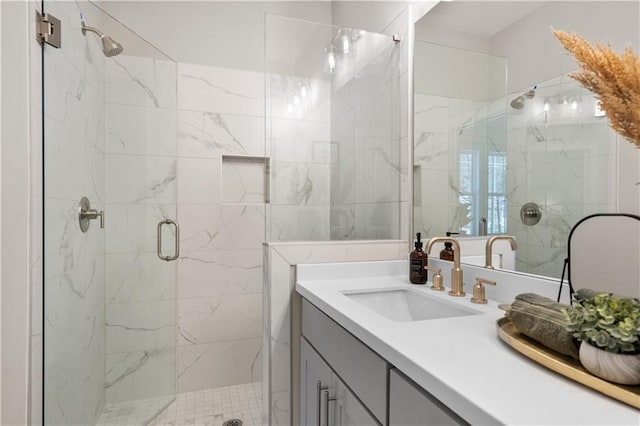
(345,409)
(410,405)
(315,377)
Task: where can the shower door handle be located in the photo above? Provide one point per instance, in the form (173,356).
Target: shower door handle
(176,252)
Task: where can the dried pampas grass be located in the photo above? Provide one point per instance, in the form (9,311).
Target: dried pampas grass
(615,80)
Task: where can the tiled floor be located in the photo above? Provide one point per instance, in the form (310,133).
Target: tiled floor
(136,412)
(210,407)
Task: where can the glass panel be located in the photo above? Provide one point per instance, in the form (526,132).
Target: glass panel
(109,301)
(333,132)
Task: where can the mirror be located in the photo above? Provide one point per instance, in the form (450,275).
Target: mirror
(502,133)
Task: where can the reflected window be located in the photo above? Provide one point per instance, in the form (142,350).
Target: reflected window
(496,194)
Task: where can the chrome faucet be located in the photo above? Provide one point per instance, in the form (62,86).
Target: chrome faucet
(489,247)
(456,272)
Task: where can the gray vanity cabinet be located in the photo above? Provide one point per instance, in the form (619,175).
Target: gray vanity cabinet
(410,405)
(324,399)
(345,409)
(344,383)
(315,378)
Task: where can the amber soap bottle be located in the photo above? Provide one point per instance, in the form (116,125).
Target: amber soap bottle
(447,252)
(417,262)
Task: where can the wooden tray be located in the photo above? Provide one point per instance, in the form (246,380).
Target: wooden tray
(565,365)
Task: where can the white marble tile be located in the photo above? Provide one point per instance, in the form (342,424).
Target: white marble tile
(206,228)
(66,247)
(75,376)
(131,80)
(139,179)
(71,101)
(211,134)
(140,326)
(220,272)
(342,222)
(223,90)
(305,184)
(65,154)
(212,319)
(379,221)
(377,177)
(300,141)
(431,113)
(140,374)
(298,223)
(243,182)
(281,408)
(198,181)
(378,118)
(140,130)
(377,65)
(219,364)
(139,277)
(298,98)
(132,228)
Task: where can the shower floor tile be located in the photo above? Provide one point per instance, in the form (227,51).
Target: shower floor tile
(212,407)
(209,407)
(136,412)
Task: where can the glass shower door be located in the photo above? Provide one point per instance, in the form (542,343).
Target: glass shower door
(109,294)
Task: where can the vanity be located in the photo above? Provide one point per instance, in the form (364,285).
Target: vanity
(375,350)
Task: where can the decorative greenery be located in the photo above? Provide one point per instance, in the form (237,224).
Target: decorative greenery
(614,78)
(606,321)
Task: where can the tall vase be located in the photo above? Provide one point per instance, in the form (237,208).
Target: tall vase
(618,368)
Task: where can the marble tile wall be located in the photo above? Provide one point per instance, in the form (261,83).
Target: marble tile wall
(367,140)
(74,315)
(140,170)
(221,210)
(565,160)
(300,151)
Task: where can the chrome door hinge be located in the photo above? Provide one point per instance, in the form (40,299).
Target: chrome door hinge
(48,29)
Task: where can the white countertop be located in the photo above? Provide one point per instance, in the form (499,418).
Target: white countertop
(461,361)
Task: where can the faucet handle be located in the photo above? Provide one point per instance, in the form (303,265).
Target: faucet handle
(437,278)
(479,291)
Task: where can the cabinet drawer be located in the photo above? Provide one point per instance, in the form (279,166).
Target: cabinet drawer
(361,368)
(410,405)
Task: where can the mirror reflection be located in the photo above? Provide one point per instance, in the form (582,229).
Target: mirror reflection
(505,141)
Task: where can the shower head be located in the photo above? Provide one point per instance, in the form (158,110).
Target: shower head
(518,103)
(110,47)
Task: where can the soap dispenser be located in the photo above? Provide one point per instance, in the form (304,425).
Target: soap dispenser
(417,263)
(447,252)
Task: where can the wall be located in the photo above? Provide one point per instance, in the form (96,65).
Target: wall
(298,123)
(140,190)
(220,112)
(225,34)
(16,209)
(563,159)
(538,56)
(366,138)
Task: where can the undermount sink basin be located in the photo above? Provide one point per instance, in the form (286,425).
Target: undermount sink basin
(407,304)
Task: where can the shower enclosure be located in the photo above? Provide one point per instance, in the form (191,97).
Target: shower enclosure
(109,299)
(333,113)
